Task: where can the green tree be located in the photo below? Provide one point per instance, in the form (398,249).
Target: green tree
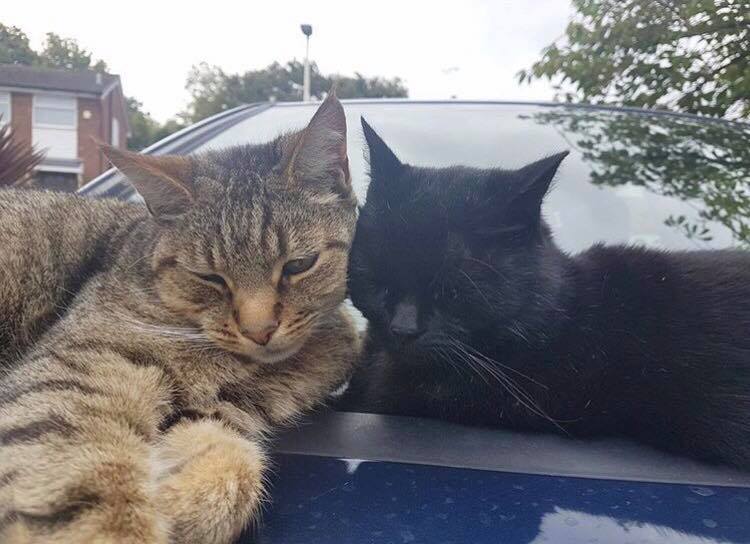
(14,46)
(144,129)
(686,55)
(212,90)
(66,53)
(362,87)
(167,128)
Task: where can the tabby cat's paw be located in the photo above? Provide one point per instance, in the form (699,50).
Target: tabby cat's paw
(217,489)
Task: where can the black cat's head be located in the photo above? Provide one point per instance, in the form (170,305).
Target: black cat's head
(447,256)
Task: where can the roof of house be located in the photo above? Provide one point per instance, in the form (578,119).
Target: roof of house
(50,79)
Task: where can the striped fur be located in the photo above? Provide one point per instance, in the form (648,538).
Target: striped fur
(132,406)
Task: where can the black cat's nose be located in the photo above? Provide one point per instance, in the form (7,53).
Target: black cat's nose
(405,322)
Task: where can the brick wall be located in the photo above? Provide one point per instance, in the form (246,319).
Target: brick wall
(20,113)
(88,152)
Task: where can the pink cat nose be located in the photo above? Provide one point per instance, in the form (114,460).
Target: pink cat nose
(261,335)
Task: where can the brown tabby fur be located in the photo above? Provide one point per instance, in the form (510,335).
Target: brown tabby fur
(135,404)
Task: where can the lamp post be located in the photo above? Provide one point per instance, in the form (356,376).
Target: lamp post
(307,31)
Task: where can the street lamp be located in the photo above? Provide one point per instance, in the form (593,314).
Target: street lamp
(307,31)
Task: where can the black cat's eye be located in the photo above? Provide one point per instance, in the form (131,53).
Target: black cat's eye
(298,266)
(214,279)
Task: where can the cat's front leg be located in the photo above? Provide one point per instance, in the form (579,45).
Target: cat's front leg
(74,451)
(211,484)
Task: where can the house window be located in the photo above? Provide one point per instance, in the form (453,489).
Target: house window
(54,111)
(4,107)
(55,125)
(115,140)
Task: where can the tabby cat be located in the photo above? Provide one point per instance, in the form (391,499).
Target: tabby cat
(476,316)
(155,347)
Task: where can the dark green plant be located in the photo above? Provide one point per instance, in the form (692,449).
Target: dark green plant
(17,158)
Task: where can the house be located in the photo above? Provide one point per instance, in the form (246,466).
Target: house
(64,112)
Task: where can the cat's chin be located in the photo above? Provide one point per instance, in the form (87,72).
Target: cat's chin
(267,355)
(410,353)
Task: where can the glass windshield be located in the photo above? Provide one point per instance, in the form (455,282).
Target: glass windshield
(658,180)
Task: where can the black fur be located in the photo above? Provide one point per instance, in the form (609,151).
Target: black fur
(476,316)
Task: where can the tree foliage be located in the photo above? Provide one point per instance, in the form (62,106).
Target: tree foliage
(14,46)
(212,90)
(144,129)
(687,55)
(66,53)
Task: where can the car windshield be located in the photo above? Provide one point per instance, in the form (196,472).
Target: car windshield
(665,181)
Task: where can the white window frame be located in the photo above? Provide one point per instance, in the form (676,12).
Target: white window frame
(74,109)
(114,128)
(7,98)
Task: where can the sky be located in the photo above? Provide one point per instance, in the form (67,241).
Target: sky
(440,49)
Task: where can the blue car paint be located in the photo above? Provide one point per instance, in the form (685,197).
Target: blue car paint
(325,500)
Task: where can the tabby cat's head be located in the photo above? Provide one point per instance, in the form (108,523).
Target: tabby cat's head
(253,240)
(452,256)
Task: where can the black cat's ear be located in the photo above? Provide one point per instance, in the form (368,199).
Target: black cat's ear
(383,161)
(531,185)
(318,158)
(165,182)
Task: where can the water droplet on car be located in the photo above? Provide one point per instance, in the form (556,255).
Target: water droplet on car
(407,536)
(703,491)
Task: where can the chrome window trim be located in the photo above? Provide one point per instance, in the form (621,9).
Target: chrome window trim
(372,437)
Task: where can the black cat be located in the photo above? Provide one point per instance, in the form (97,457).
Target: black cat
(476,316)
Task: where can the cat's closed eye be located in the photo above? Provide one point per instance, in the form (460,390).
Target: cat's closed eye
(298,266)
(214,279)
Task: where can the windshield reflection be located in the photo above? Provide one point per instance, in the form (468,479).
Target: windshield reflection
(563,525)
(633,178)
(706,164)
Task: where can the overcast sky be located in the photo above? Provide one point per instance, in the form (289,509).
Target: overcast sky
(470,49)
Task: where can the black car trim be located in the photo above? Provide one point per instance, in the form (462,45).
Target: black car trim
(370,437)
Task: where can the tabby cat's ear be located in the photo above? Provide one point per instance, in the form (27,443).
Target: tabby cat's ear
(318,158)
(383,161)
(164,182)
